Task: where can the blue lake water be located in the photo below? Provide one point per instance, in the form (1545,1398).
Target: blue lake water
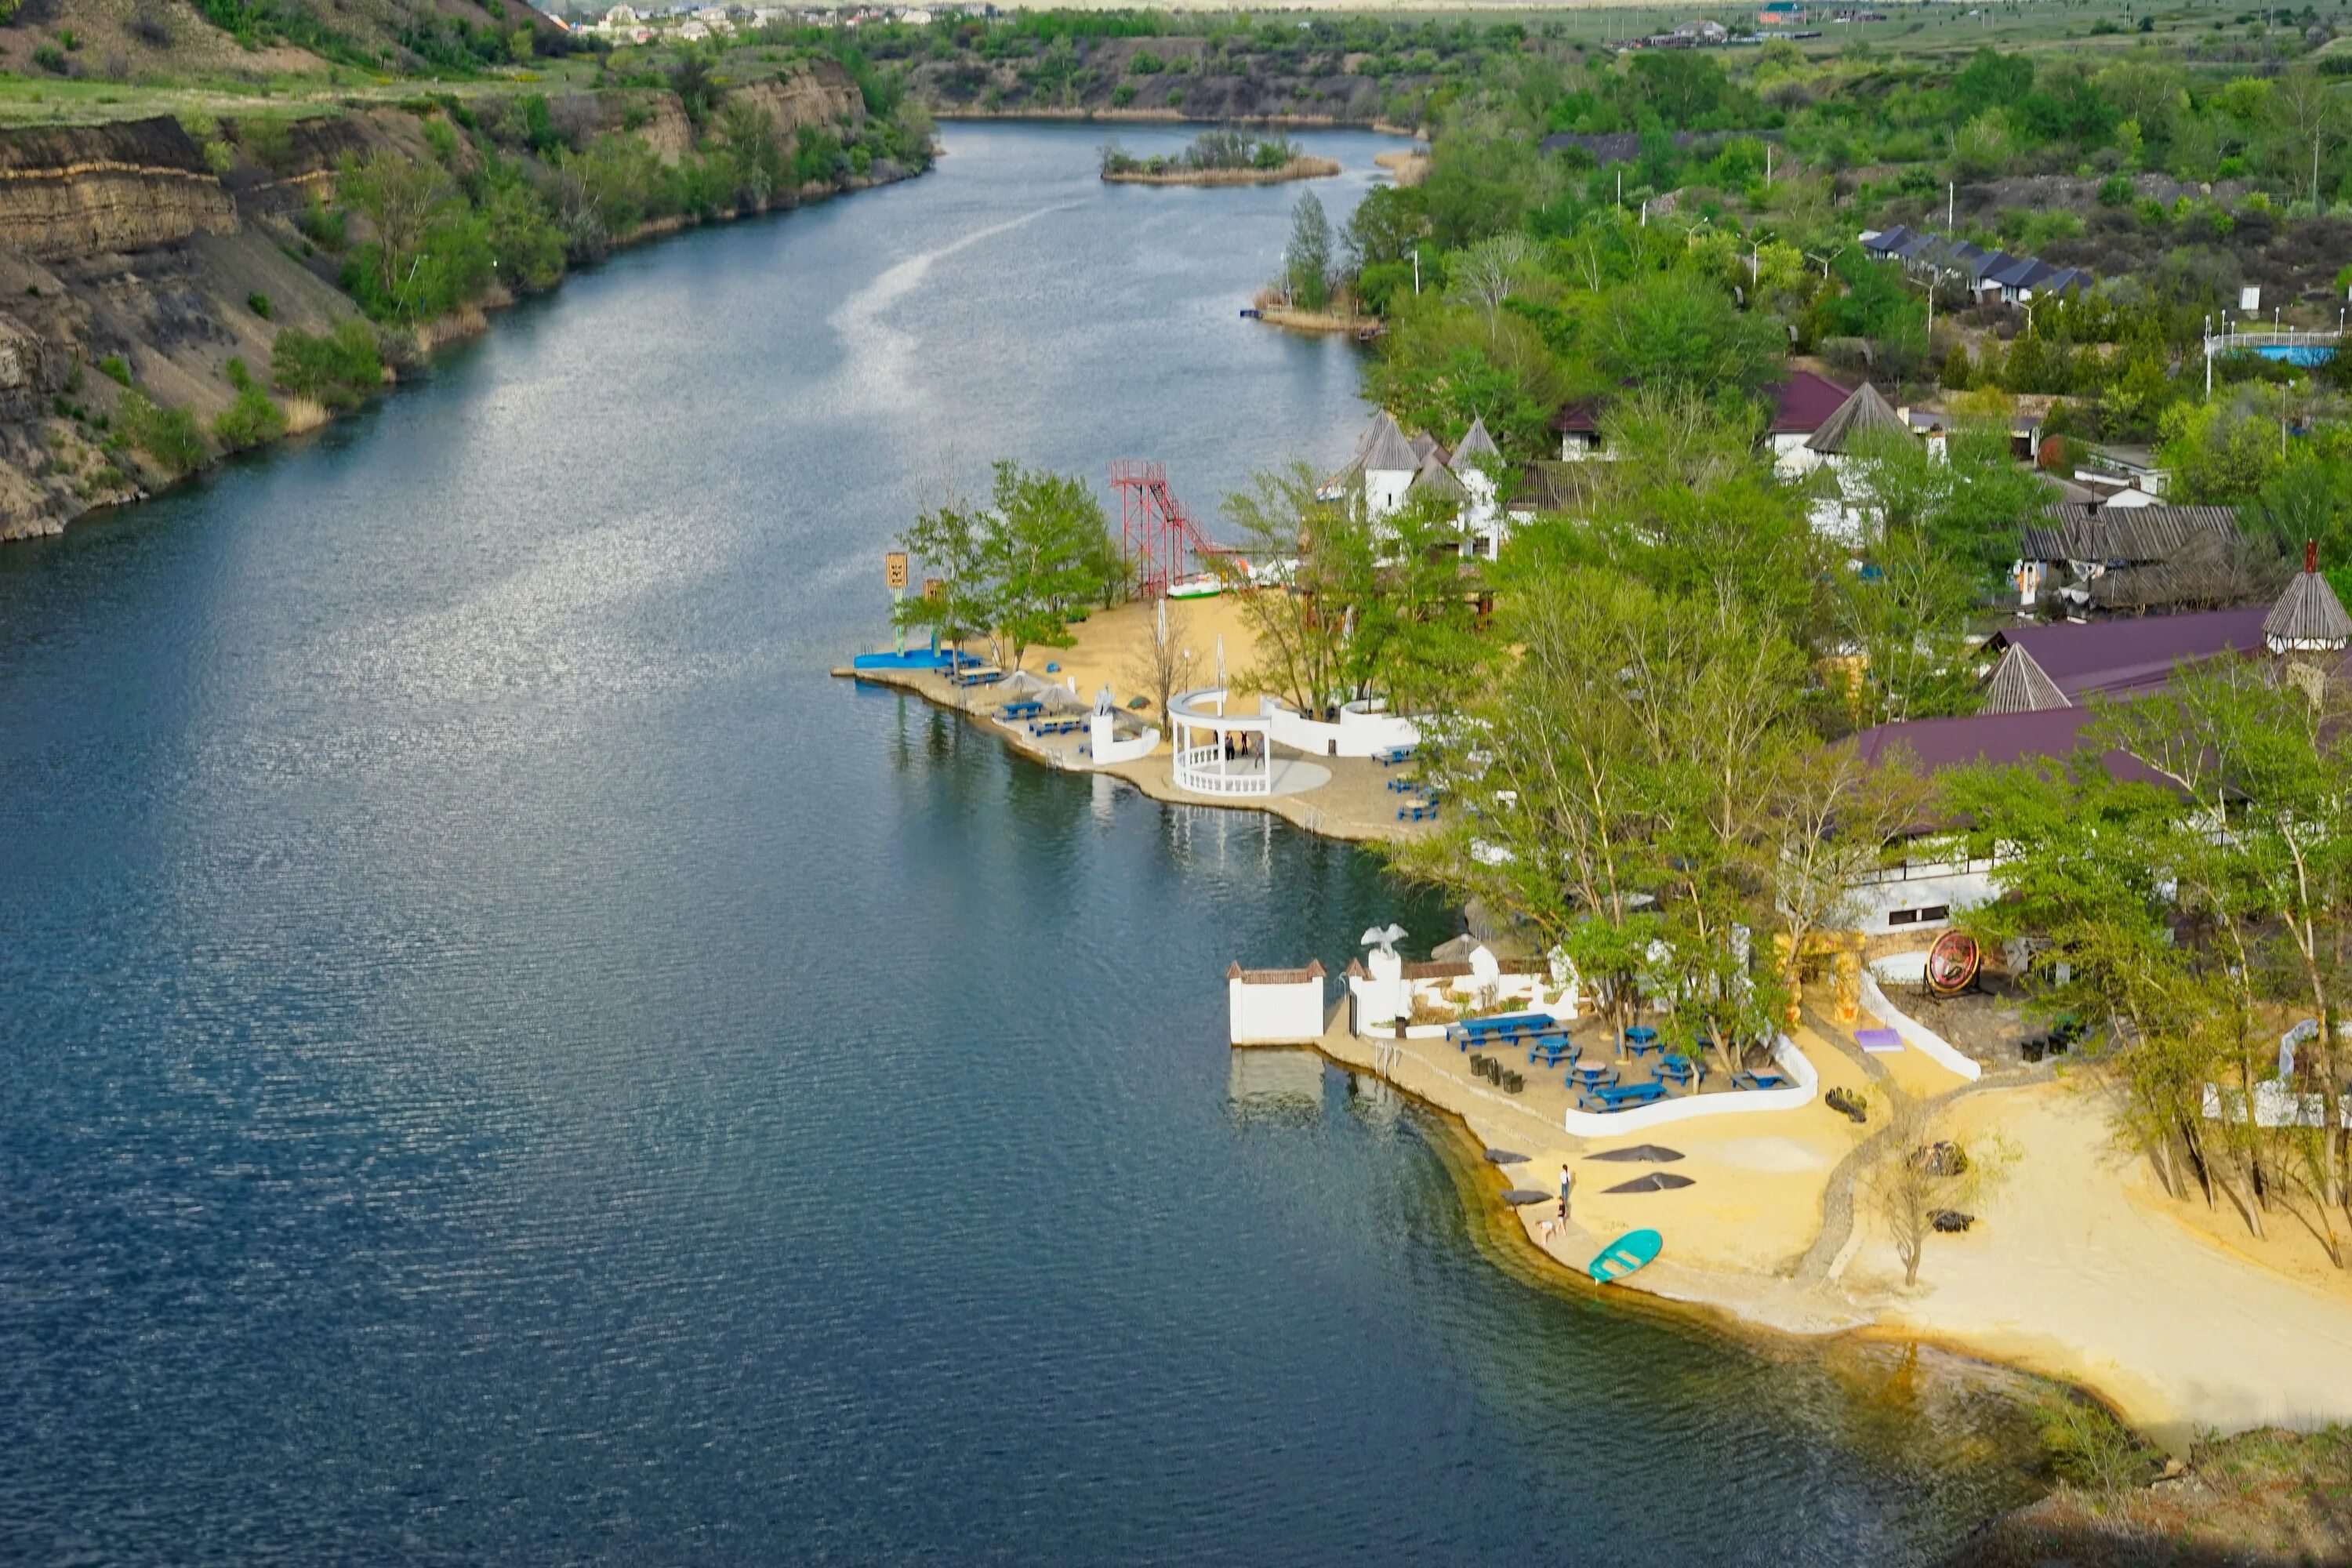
(502,1060)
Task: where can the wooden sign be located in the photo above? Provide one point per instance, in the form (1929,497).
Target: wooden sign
(894,570)
(935,589)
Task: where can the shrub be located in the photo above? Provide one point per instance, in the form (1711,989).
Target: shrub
(251,420)
(337,369)
(1122,95)
(2116,191)
(118,367)
(258,304)
(52,60)
(1146,63)
(323,223)
(169,435)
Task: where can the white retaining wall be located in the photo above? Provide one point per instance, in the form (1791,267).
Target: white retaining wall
(1916,1035)
(1361,731)
(1104,747)
(1274,1011)
(1804,1082)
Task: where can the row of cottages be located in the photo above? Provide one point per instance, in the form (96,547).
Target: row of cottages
(1390,469)
(1993,276)
(2036,705)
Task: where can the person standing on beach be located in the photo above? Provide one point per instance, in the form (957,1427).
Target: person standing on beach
(1566,1182)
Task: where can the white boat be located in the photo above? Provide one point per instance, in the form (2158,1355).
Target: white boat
(1200,585)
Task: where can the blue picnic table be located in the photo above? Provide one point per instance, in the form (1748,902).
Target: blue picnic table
(1553,1044)
(1682,1069)
(1590,1075)
(1617,1096)
(1641,1037)
(1028,708)
(1417,811)
(1760,1081)
(976,675)
(1498,1027)
(1402,782)
(1055,726)
(1392,756)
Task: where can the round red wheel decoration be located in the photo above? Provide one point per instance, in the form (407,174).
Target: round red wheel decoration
(1952,964)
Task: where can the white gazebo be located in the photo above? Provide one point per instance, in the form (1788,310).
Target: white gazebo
(1219,752)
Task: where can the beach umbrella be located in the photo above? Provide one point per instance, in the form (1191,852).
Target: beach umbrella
(1505,1157)
(1655,1182)
(1517,1196)
(1643,1154)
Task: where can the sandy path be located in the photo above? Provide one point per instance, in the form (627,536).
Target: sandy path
(2068,1277)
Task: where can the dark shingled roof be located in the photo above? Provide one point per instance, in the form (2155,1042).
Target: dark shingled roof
(2118,655)
(2021,686)
(1858,415)
(2309,616)
(1476,443)
(1436,477)
(2135,535)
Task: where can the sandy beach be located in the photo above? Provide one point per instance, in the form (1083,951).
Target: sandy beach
(2079,1268)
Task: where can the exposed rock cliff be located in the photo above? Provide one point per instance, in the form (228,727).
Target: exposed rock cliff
(821,95)
(76,192)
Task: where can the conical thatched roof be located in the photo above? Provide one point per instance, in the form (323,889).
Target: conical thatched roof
(2309,617)
(1436,477)
(1387,451)
(1862,412)
(1477,446)
(2020,685)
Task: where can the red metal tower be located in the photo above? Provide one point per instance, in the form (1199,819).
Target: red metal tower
(1157,538)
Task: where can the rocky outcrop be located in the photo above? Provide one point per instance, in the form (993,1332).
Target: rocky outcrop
(89,190)
(821,95)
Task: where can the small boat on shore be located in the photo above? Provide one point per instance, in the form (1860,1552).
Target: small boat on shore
(1201,585)
(1624,1255)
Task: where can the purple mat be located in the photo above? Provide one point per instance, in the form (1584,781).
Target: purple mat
(1878,1042)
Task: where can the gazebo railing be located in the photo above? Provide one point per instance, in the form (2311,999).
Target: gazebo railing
(1197,768)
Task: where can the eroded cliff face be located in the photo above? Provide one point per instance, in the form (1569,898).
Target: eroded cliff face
(127,264)
(76,192)
(119,246)
(823,96)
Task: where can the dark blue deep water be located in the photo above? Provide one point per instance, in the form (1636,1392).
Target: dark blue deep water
(503,1061)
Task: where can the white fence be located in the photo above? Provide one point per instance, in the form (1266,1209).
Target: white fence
(1804,1082)
(1913,1034)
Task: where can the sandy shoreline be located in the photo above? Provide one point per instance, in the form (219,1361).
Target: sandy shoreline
(2080,1268)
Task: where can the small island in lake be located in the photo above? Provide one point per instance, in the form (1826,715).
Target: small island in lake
(1219,157)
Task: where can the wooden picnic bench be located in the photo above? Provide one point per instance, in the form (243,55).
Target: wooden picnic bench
(976,675)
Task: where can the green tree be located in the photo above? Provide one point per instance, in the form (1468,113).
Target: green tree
(1047,554)
(1307,260)
(1680,331)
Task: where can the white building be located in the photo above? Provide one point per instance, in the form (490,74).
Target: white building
(1391,469)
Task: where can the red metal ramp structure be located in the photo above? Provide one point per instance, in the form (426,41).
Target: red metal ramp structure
(1158,537)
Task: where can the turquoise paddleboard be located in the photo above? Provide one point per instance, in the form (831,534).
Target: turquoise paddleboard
(1624,1255)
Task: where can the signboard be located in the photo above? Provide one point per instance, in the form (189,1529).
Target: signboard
(894,570)
(935,589)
